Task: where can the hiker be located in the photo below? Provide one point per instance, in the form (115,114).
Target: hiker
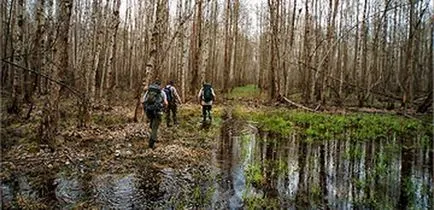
(172,98)
(206,96)
(154,100)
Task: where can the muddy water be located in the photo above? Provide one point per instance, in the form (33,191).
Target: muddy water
(263,171)
(251,170)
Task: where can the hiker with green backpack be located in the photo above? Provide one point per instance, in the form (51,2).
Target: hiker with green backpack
(206,97)
(154,100)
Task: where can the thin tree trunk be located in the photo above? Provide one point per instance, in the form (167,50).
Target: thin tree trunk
(308,94)
(98,39)
(111,67)
(227,54)
(18,39)
(196,48)
(274,7)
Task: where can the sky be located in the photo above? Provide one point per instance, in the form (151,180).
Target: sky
(250,4)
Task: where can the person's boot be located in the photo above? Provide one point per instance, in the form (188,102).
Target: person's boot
(151,143)
(168,122)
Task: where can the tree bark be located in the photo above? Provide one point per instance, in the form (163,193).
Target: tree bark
(50,120)
(227,53)
(111,67)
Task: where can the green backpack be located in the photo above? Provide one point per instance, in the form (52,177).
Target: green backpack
(207,93)
(154,101)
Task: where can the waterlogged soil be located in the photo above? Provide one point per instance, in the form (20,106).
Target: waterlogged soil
(109,165)
(228,164)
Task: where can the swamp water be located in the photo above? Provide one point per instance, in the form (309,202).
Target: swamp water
(252,170)
(271,172)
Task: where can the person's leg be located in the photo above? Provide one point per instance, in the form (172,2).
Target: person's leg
(209,112)
(155,123)
(174,110)
(151,137)
(204,113)
(168,116)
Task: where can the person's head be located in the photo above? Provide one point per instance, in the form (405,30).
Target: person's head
(157,82)
(171,83)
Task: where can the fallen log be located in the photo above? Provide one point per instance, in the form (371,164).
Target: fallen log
(297,105)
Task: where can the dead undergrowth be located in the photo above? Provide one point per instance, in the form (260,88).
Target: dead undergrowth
(111,143)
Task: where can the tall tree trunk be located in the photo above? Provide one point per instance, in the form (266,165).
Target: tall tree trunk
(306,56)
(330,50)
(364,56)
(97,39)
(111,67)
(409,59)
(196,44)
(227,55)
(212,74)
(17,53)
(4,30)
(38,43)
(234,44)
(50,120)
(105,48)
(274,25)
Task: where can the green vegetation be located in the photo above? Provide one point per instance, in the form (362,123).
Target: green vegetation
(258,202)
(245,92)
(254,174)
(322,126)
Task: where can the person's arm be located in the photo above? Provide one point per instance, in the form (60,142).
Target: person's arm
(213,94)
(165,103)
(176,95)
(142,100)
(199,96)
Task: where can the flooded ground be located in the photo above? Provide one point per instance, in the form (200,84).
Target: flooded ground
(245,168)
(263,171)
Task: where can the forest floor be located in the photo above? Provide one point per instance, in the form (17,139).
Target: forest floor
(114,144)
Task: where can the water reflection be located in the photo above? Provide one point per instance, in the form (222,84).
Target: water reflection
(117,191)
(68,191)
(341,174)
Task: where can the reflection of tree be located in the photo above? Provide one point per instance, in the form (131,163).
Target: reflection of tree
(405,182)
(368,168)
(225,154)
(270,187)
(301,197)
(323,173)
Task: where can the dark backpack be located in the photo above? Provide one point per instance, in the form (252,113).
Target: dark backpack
(154,101)
(207,93)
(169,95)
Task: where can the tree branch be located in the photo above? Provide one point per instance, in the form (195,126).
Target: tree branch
(74,91)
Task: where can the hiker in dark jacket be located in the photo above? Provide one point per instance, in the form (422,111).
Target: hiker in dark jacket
(173,99)
(206,97)
(154,100)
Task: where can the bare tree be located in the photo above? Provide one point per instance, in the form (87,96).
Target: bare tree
(111,67)
(50,120)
